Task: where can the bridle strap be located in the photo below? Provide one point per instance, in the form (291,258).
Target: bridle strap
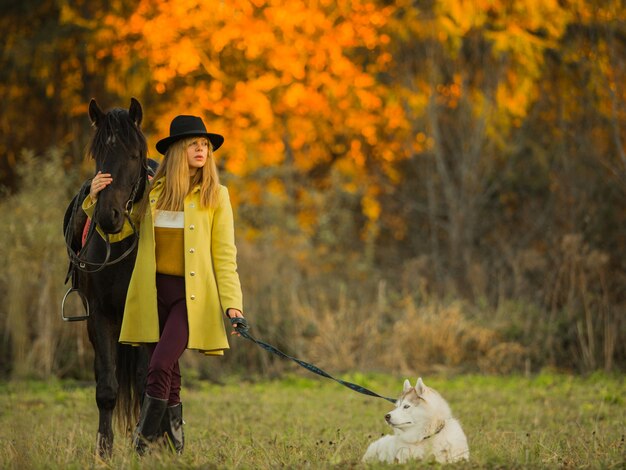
(133,193)
(93,267)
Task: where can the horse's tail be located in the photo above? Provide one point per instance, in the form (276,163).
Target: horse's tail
(131,370)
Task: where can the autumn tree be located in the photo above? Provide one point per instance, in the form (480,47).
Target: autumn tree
(448,148)
(54,58)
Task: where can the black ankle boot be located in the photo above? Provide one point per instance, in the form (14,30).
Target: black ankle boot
(149,426)
(172,427)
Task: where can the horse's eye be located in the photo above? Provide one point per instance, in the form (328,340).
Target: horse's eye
(406,406)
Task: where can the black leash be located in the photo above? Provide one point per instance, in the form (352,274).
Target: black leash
(241,326)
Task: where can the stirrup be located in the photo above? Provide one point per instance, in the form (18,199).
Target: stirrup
(85,305)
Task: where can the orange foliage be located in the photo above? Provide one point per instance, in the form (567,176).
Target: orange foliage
(262,72)
(290,82)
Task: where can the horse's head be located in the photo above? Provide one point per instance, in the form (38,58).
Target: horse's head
(119,148)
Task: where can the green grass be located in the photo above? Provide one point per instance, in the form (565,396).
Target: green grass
(511,422)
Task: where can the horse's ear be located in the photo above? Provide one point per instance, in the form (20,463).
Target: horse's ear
(95,113)
(135,112)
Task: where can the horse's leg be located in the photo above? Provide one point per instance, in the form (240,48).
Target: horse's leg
(104,340)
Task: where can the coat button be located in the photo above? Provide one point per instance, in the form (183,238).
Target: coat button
(152,201)
(192,297)
(192,250)
(191,227)
(192,273)
(192,205)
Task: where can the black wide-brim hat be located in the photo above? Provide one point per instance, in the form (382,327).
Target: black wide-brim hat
(184,126)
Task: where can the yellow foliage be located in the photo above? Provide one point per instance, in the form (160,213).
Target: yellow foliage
(307,219)
(289,77)
(275,187)
(371,207)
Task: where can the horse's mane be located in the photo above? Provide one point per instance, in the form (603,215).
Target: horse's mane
(117,123)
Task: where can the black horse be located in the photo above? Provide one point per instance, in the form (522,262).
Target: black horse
(101,270)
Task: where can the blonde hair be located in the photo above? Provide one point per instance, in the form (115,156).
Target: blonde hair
(178,181)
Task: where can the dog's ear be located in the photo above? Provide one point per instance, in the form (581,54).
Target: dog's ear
(420,388)
(406,387)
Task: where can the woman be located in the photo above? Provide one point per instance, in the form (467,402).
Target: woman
(185,275)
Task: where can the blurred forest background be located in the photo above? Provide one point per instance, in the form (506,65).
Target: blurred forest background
(419,185)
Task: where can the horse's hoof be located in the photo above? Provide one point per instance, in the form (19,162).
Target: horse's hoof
(104,448)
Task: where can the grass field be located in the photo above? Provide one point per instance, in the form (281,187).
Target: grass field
(511,422)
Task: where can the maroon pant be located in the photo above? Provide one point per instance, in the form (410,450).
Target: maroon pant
(163,370)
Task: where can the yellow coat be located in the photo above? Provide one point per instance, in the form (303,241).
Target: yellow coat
(211,280)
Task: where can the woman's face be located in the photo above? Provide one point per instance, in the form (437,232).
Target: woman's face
(197,152)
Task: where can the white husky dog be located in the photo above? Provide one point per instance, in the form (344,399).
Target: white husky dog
(423,428)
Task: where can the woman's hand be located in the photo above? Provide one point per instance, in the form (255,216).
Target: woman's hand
(234,313)
(98,183)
